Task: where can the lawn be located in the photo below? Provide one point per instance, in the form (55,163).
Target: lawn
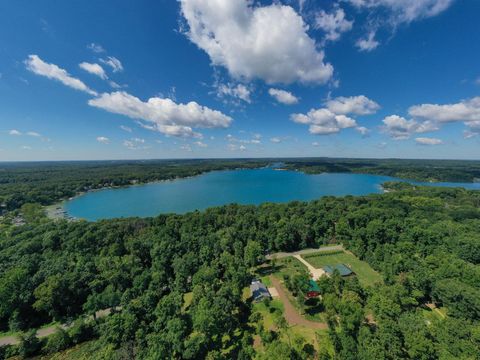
(291,267)
(366,275)
(318,338)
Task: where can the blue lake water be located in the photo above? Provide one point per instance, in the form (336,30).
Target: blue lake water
(224,187)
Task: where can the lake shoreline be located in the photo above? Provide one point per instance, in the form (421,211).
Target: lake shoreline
(220,187)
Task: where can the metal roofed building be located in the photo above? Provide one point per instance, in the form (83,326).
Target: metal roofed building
(341,268)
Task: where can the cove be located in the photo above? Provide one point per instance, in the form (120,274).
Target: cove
(224,187)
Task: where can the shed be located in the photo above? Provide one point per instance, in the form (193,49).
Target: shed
(343,269)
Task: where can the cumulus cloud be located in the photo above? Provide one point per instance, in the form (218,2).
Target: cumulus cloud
(367,43)
(238,91)
(333,117)
(466,111)
(114,63)
(400,128)
(406,11)
(163,114)
(282,96)
(428,141)
(266,42)
(94,69)
(324,122)
(358,105)
(276,140)
(333,24)
(14,132)
(103,140)
(52,71)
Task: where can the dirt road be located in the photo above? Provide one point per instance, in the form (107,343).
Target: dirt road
(291,314)
(47,331)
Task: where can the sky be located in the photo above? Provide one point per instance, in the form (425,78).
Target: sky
(151,79)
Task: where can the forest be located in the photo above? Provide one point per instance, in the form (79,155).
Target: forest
(413,169)
(425,241)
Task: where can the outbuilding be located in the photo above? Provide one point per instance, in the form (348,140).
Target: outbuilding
(342,269)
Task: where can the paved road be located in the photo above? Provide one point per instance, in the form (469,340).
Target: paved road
(280,255)
(291,314)
(47,331)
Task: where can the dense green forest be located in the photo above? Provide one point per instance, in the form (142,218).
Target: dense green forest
(46,183)
(424,241)
(49,182)
(420,170)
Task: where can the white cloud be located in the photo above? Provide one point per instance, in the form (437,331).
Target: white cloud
(96,48)
(466,111)
(333,118)
(114,63)
(14,132)
(33,133)
(235,147)
(126,128)
(315,143)
(94,69)
(200,144)
(400,128)
(367,43)
(135,144)
(406,11)
(324,122)
(362,130)
(276,140)
(163,114)
(428,141)
(26,147)
(282,96)
(103,140)
(358,105)
(254,140)
(334,23)
(239,91)
(52,71)
(266,42)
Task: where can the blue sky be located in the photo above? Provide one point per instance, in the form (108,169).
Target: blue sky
(215,78)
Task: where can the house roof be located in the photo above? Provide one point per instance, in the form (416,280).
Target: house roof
(342,269)
(259,290)
(313,286)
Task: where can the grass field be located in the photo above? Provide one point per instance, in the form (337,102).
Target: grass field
(366,275)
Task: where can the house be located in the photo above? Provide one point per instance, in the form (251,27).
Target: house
(343,270)
(259,291)
(313,289)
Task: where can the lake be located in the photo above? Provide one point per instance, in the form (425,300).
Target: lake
(224,187)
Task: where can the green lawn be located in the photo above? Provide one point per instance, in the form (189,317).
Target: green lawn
(366,275)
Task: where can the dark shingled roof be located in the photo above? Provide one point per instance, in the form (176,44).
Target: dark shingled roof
(259,291)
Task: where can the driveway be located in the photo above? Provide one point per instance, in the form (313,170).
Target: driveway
(291,314)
